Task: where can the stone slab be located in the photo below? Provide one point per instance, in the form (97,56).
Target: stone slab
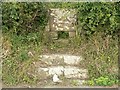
(67,71)
(75,72)
(61,59)
(56,70)
(72,60)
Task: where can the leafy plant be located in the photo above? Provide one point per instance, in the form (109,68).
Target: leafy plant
(23,18)
(93,16)
(103,81)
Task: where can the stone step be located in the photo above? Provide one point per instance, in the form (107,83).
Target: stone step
(66,71)
(75,72)
(60,59)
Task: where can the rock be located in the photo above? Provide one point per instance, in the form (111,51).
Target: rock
(54,35)
(52,59)
(66,27)
(61,59)
(69,59)
(42,73)
(52,70)
(74,72)
(56,79)
(68,71)
(44,69)
(56,70)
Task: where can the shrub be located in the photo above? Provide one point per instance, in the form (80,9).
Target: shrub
(23,17)
(98,17)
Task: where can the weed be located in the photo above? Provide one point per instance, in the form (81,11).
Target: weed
(74,82)
(16,65)
(103,81)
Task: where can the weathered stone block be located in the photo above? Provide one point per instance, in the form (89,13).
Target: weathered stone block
(54,35)
(73,60)
(72,34)
(56,70)
(75,72)
(61,59)
(67,71)
(52,59)
(52,70)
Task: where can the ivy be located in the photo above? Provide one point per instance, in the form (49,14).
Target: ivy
(97,17)
(22,18)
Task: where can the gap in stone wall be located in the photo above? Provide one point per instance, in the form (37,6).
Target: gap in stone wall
(63,35)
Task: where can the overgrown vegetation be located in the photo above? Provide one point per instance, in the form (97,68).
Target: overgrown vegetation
(24,18)
(24,38)
(101,55)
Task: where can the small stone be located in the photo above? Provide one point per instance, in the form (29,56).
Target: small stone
(30,54)
(56,79)
(52,14)
(45,69)
(60,29)
(66,27)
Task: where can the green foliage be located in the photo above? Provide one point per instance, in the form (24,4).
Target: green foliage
(117,7)
(61,5)
(16,65)
(23,56)
(103,81)
(97,17)
(102,55)
(9,75)
(31,17)
(23,18)
(94,17)
(101,59)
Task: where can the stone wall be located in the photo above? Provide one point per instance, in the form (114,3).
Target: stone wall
(62,20)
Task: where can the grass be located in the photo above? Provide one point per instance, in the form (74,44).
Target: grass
(101,55)
(18,62)
(19,53)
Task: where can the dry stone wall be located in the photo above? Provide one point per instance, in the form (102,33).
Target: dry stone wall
(62,20)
